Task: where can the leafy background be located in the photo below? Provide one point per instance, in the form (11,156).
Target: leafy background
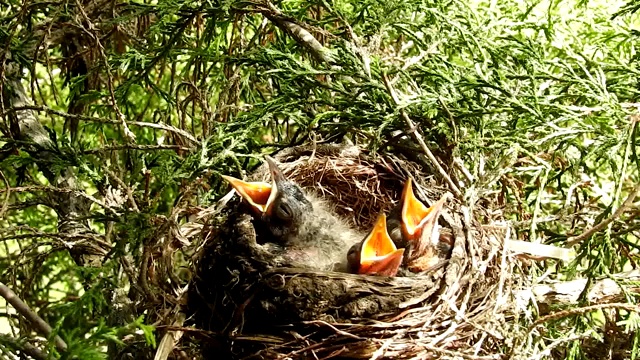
(537,99)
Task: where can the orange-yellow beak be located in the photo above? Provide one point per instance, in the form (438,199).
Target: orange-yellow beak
(257,194)
(378,254)
(413,213)
(419,223)
(416,217)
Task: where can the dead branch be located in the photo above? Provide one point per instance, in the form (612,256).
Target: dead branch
(568,292)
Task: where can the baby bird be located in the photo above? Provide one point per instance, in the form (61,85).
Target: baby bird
(305,231)
(414,226)
(376,254)
(281,205)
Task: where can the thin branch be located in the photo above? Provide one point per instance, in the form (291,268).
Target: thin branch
(416,134)
(94,34)
(170,339)
(628,202)
(48,110)
(135,147)
(25,348)
(457,354)
(120,182)
(5,202)
(301,35)
(568,293)
(41,326)
(583,310)
(61,191)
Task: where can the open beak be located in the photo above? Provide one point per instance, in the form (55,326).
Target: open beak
(260,195)
(257,194)
(413,213)
(419,223)
(378,254)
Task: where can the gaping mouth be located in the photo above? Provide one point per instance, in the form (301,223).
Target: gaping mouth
(416,217)
(379,254)
(420,225)
(260,195)
(257,194)
(413,212)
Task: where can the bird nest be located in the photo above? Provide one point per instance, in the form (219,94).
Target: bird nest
(253,307)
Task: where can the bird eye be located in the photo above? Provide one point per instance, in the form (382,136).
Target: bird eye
(284,211)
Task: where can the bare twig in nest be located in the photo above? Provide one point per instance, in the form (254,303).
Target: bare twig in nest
(537,251)
(170,339)
(41,326)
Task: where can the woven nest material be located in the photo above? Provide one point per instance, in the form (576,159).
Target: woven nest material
(260,309)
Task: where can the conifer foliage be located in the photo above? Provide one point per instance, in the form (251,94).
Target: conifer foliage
(118,118)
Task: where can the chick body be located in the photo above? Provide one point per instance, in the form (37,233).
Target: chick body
(319,239)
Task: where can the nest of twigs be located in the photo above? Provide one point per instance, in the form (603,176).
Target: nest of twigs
(259,310)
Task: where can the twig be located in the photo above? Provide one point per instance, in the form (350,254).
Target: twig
(453,125)
(418,137)
(460,164)
(457,354)
(537,206)
(170,339)
(25,348)
(66,240)
(41,326)
(5,202)
(582,310)
(628,202)
(547,350)
(48,110)
(94,34)
(338,331)
(301,35)
(501,298)
(135,147)
(568,292)
(120,182)
(61,191)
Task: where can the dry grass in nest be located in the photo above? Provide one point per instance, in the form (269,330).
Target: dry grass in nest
(360,186)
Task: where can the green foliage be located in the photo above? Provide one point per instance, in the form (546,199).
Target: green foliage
(538,100)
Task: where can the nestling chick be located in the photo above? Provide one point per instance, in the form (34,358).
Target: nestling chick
(414,226)
(376,254)
(305,230)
